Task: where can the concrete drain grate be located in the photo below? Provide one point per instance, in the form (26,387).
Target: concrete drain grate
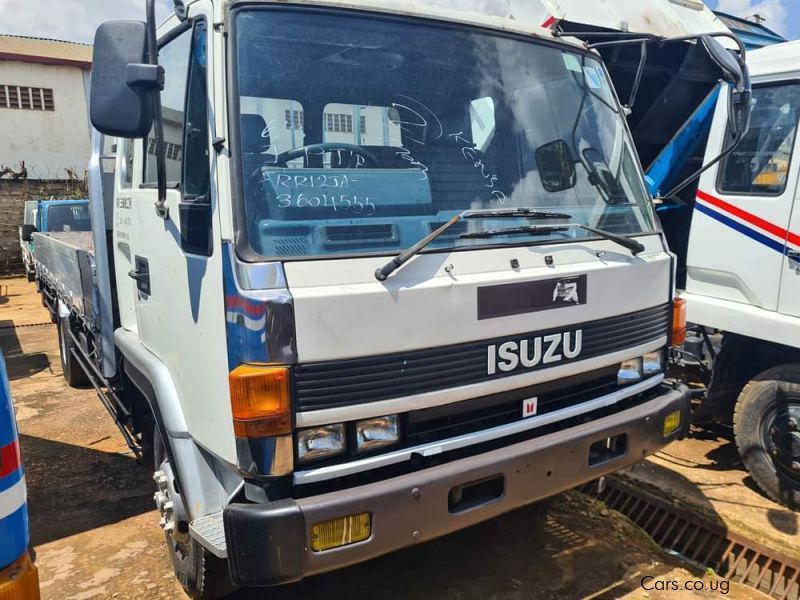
(688,534)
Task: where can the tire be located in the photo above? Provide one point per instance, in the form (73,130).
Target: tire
(202,575)
(73,372)
(765,420)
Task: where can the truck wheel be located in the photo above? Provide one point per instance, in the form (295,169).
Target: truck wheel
(73,372)
(202,575)
(766,424)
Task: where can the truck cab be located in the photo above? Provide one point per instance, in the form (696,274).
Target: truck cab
(743,275)
(360,278)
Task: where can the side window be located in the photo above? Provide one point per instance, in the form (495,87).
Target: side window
(196,174)
(760,163)
(125,148)
(174,57)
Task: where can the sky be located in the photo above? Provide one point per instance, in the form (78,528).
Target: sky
(76,20)
(782,16)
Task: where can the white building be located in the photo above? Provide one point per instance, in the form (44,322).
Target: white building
(44,119)
(343,123)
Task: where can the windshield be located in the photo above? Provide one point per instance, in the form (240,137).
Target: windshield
(362,135)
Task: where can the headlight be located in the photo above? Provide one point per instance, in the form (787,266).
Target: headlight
(630,371)
(376,433)
(652,363)
(320,442)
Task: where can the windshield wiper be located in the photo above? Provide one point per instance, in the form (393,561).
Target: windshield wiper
(634,246)
(492,213)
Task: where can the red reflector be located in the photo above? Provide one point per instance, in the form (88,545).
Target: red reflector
(9,458)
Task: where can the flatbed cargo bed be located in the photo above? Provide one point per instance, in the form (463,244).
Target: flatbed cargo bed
(65,261)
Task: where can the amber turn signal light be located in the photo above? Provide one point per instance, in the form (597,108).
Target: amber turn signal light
(678,321)
(260,401)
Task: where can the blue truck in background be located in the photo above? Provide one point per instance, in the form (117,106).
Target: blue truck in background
(19,579)
(47,216)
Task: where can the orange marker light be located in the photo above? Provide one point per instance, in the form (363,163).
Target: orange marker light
(260,401)
(678,321)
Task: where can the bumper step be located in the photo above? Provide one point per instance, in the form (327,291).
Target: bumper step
(210,532)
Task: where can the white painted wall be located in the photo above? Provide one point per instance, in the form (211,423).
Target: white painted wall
(48,142)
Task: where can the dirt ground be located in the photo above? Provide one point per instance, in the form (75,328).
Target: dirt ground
(95,531)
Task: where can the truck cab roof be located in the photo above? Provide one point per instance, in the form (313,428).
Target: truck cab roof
(61,201)
(417,10)
(774,60)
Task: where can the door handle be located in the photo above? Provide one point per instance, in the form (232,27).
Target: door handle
(141,274)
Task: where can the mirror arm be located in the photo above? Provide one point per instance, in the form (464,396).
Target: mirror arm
(731,147)
(638,80)
(158,117)
(145,76)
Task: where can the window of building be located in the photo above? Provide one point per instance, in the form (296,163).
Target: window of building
(171,151)
(26,98)
(294,120)
(339,123)
(760,163)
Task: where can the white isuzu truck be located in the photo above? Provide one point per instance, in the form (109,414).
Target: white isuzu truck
(362,276)
(740,244)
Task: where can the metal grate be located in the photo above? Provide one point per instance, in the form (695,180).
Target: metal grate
(731,555)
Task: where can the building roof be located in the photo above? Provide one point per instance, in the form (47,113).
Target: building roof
(45,51)
(754,35)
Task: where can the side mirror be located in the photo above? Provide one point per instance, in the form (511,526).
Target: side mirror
(556,166)
(123,84)
(733,71)
(26,232)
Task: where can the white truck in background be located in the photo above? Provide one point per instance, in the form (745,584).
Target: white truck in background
(742,276)
(735,230)
(360,278)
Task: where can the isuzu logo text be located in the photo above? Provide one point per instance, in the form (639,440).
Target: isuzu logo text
(531,352)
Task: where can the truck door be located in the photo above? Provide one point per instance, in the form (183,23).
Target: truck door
(790,276)
(174,272)
(740,226)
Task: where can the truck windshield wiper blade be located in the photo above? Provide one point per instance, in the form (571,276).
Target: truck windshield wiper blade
(492,213)
(633,245)
(525,230)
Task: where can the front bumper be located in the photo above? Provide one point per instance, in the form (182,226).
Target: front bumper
(269,544)
(20,580)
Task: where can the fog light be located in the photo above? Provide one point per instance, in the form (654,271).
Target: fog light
(652,363)
(320,442)
(340,532)
(630,371)
(376,433)
(672,422)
